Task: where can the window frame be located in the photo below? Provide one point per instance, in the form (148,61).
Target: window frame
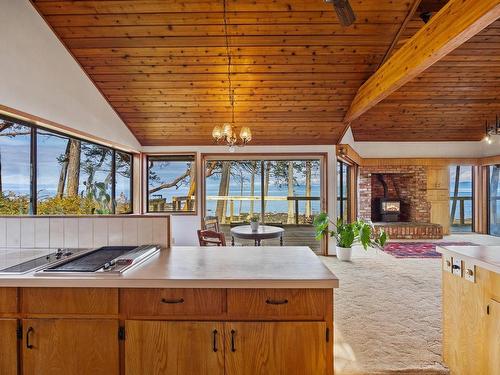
(34,166)
(340,194)
(146,183)
(488,198)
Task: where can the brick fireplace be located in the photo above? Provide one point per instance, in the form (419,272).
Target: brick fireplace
(406,185)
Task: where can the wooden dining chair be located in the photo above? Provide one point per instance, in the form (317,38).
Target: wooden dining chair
(211,238)
(211,223)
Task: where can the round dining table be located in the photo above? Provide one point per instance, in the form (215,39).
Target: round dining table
(265,232)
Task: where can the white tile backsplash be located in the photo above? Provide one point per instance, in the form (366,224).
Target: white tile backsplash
(82,232)
(56,232)
(28,233)
(145,229)
(130,230)
(42,232)
(70,236)
(85,232)
(100,232)
(13,232)
(115,232)
(3,232)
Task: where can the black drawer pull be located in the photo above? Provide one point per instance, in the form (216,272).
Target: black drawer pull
(233,346)
(277,302)
(214,348)
(28,334)
(172,301)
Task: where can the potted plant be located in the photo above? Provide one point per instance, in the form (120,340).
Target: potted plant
(348,234)
(254,223)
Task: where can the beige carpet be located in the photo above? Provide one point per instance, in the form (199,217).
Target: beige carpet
(387,315)
(388,312)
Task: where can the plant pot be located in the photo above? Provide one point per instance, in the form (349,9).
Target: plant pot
(254,225)
(344,253)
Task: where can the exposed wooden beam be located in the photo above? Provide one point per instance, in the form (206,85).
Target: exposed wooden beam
(401,30)
(457,22)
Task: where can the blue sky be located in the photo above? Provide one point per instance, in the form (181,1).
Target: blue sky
(15,159)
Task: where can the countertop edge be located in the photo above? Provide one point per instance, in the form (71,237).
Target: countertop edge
(157,283)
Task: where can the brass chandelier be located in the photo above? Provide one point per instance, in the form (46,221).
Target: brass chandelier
(227,132)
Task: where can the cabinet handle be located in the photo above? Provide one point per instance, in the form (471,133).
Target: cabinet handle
(277,302)
(214,340)
(233,347)
(172,301)
(28,333)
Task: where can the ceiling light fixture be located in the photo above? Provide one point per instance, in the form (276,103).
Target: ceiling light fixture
(227,133)
(492,130)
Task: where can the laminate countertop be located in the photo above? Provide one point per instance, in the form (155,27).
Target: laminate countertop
(487,257)
(205,267)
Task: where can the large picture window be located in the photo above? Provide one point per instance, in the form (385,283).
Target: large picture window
(47,173)
(280,192)
(171,183)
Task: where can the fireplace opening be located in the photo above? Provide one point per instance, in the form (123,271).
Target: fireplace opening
(390,209)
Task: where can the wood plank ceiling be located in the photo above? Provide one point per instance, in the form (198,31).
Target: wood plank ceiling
(450,101)
(162,64)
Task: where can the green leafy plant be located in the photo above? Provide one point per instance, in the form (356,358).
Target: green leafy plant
(348,234)
(254,219)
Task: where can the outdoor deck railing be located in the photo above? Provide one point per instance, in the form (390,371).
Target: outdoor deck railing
(237,198)
(460,205)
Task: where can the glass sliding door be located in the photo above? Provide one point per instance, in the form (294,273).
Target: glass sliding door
(494,200)
(283,192)
(233,190)
(461,198)
(343,187)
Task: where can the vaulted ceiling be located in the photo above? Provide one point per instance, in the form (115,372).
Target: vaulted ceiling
(450,101)
(162,66)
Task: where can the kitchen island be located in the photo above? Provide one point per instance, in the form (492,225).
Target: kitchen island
(471,309)
(187,310)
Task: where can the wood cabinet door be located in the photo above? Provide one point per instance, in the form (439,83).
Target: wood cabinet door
(70,346)
(278,348)
(493,340)
(8,346)
(171,347)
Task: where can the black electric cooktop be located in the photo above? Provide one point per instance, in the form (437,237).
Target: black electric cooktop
(39,262)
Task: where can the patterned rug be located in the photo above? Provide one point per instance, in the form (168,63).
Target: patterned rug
(419,249)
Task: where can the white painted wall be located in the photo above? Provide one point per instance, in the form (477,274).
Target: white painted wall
(422,149)
(183,226)
(38,76)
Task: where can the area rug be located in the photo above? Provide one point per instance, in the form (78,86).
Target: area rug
(419,249)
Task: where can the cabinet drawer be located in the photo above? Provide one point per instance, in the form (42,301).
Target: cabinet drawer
(8,300)
(98,301)
(278,304)
(172,302)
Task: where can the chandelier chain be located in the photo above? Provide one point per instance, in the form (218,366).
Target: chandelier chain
(228,54)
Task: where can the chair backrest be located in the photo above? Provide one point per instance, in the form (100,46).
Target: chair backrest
(211,223)
(211,238)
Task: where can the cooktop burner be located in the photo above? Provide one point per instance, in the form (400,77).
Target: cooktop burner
(36,263)
(93,261)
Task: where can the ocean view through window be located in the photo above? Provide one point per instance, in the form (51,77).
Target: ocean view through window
(277,191)
(45,172)
(461,198)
